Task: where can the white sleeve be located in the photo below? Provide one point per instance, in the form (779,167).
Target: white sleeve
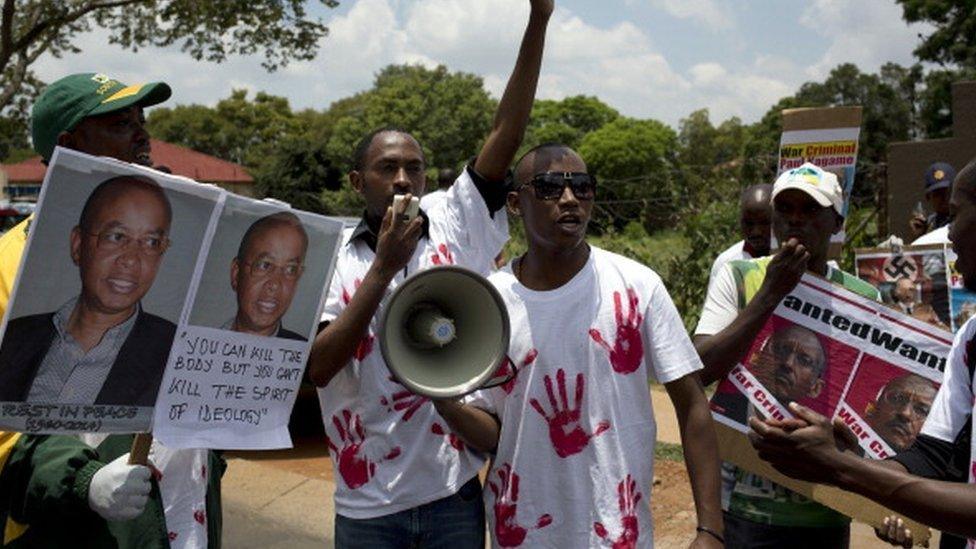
(954,402)
(669,353)
(334,302)
(721,304)
(462,221)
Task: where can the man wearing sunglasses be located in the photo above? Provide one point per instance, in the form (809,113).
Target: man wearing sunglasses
(572,435)
(807,210)
(403,480)
(265,274)
(100,347)
(899,412)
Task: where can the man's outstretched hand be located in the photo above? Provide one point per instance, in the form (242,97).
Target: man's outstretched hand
(806,447)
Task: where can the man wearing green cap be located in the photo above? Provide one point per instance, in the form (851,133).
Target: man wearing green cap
(57,490)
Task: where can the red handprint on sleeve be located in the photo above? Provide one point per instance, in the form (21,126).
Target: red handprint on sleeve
(355,468)
(443,256)
(366,344)
(628,349)
(628,497)
(452,439)
(565,431)
(403,401)
(508,369)
(508,532)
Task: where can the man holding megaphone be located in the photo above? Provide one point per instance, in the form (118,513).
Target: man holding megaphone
(404,478)
(573,436)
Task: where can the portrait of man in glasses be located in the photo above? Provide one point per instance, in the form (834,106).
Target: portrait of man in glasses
(99,347)
(265,273)
(900,409)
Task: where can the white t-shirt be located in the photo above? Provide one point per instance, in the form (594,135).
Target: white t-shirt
(391,449)
(954,402)
(575,459)
(734,252)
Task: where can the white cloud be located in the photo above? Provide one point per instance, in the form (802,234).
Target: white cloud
(713,14)
(867,33)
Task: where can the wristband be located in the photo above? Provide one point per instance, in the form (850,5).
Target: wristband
(712,533)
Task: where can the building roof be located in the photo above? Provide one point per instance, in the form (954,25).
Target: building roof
(181,160)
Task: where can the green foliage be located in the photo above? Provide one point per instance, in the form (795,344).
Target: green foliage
(669,452)
(279,30)
(567,121)
(953,37)
(633,160)
(299,174)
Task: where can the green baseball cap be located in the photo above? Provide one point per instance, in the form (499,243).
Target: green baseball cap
(68,101)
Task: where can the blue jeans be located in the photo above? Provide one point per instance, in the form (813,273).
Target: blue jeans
(457,521)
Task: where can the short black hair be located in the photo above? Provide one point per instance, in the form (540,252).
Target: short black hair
(278,219)
(548,146)
(111,187)
(358,160)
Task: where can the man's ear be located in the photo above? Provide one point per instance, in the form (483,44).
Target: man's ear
(356,180)
(512,203)
(75,242)
(234,269)
(63,140)
(816,388)
(869,410)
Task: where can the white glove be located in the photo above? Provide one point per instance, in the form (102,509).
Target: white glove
(119,491)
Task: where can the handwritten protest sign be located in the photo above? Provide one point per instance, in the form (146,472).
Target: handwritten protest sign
(915,280)
(827,137)
(843,356)
(105,291)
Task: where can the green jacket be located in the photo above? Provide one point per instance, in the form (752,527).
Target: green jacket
(44,496)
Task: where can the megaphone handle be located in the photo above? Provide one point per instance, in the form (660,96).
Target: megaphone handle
(505,380)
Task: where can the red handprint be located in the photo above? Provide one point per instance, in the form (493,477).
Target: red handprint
(565,431)
(628,349)
(443,256)
(508,532)
(403,401)
(366,344)
(628,497)
(356,469)
(508,369)
(452,439)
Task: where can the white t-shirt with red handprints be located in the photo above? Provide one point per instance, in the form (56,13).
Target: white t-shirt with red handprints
(575,459)
(390,448)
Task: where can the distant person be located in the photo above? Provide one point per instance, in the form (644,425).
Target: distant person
(904,294)
(265,273)
(100,347)
(433,199)
(900,409)
(755,211)
(938,181)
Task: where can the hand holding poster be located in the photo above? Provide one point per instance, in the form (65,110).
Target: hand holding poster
(844,356)
(104,301)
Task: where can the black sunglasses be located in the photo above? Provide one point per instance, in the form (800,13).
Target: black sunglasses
(550,185)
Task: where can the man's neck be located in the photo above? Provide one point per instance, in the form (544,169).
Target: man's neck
(243,328)
(544,269)
(88,325)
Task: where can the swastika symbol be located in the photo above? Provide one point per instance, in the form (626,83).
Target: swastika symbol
(900,266)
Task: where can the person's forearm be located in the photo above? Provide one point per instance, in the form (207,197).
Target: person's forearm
(476,427)
(720,352)
(700,450)
(512,115)
(947,506)
(335,346)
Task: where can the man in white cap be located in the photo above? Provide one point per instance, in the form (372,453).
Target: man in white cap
(807,210)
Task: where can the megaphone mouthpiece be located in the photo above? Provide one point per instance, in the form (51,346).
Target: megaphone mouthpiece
(428,327)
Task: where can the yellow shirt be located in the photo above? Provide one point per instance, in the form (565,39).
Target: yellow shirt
(12,245)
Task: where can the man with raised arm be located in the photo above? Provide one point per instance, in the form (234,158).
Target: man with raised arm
(403,478)
(573,433)
(807,208)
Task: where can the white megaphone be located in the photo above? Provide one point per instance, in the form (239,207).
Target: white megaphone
(445,332)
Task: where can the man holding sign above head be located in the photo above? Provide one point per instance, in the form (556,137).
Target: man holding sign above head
(58,490)
(404,479)
(265,274)
(807,210)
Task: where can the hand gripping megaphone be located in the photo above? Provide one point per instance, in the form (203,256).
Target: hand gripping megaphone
(445,332)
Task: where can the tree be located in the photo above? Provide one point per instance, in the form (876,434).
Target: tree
(567,121)
(298,174)
(633,160)
(280,30)
(953,37)
(448,112)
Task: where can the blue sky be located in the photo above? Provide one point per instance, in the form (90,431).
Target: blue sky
(647,58)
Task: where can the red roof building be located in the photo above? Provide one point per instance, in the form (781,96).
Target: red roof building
(23,179)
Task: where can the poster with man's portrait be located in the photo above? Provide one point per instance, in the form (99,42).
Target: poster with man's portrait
(844,356)
(237,365)
(101,289)
(915,280)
